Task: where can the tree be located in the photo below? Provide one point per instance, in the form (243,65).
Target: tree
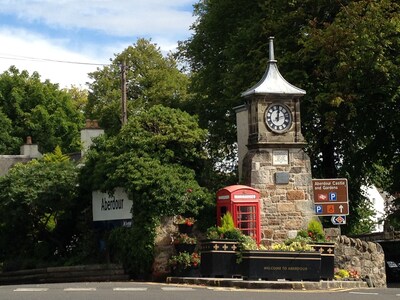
(151,79)
(343,53)
(8,143)
(38,207)
(40,110)
(154,158)
(227,44)
(354,94)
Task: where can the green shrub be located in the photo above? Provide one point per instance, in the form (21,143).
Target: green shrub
(134,248)
(227,230)
(316,231)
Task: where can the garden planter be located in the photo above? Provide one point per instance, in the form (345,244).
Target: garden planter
(186,272)
(273,265)
(218,258)
(327,251)
(185,228)
(189,248)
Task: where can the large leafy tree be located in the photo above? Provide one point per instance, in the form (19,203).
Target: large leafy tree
(151,78)
(154,158)
(354,96)
(30,107)
(38,207)
(227,38)
(342,52)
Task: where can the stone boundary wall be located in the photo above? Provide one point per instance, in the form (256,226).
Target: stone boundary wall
(367,258)
(84,273)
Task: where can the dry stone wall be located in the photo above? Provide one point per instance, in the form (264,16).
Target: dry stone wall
(367,258)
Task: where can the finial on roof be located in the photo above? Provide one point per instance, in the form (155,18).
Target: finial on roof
(271,49)
(272,82)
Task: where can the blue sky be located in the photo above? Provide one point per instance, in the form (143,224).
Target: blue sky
(35,33)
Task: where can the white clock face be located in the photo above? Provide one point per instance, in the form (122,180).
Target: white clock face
(278,117)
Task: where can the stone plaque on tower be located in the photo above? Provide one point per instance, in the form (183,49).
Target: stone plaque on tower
(273,159)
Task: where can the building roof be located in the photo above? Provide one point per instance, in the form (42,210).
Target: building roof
(273,82)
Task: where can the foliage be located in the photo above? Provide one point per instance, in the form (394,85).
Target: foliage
(39,208)
(315,231)
(184,238)
(189,221)
(227,230)
(248,243)
(153,158)
(151,79)
(184,260)
(29,107)
(292,246)
(341,274)
(134,247)
(343,53)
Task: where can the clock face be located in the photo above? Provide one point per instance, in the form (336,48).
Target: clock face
(278,117)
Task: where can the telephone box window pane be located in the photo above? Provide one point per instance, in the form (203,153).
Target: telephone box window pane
(223,210)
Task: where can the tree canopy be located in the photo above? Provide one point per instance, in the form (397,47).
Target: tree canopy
(154,158)
(343,53)
(151,78)
(29,107)
(38,206)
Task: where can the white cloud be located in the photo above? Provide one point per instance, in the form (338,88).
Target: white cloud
(24,50)
(123,18)
(42,23)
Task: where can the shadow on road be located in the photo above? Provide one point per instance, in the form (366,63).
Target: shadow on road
(394,285)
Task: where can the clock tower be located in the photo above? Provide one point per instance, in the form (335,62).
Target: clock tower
(271,156)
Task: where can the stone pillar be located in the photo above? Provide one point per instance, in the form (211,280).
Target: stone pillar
(285,206)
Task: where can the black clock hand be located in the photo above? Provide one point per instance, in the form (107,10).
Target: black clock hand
(277,116)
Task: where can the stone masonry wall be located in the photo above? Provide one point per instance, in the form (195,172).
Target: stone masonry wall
(164,248)
(367,258)
(284,207)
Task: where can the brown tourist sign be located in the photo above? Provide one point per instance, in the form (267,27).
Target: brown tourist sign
(330,196)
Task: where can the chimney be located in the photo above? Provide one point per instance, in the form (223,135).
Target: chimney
(29,149)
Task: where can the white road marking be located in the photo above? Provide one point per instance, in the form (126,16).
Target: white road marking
(172,289)
(361,293)
(119,289)
(31,290)
(79,289)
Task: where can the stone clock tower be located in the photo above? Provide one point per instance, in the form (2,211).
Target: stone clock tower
(271,156)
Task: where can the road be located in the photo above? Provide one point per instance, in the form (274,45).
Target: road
(157,291)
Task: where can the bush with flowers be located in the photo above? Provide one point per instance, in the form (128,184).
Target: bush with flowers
(184,238)
(184,260)
(342,274)
(188,221)
(314,233)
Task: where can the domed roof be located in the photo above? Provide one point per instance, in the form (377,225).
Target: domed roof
(273,82)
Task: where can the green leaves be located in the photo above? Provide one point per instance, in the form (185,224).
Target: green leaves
(37,109)
(36,197)
(151,79)
(154,159)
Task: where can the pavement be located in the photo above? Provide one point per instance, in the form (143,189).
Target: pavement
(261,284)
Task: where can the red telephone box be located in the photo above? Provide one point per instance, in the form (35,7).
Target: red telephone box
(243,202)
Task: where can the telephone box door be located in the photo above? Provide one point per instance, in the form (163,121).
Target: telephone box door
(243,202)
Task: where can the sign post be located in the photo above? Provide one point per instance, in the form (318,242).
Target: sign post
(331,197)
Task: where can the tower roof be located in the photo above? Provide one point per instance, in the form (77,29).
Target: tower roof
(273,82)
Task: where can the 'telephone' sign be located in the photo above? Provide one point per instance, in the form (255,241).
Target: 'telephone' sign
(330,196)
